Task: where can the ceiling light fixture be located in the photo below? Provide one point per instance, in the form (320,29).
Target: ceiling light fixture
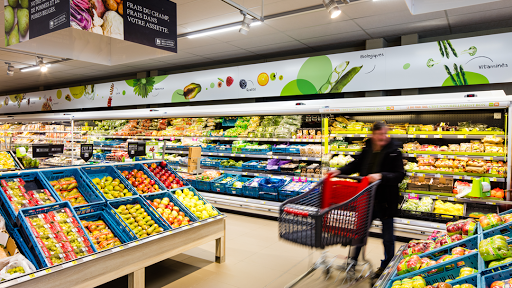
(213,32)
(332,8)
(246,24)
(40,65)
(10,69)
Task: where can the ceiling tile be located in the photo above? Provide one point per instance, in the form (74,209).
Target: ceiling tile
(324,30)
(256,31)
(200,10)
(480,8)
(408,28)
(231,17)
(362,9)
(211,49)
(262,41)
(479,27)
(335,39)
(181,2)
(293,45)
(168,58)
(305,20)
(401,17)
(230,55)
(481,17)
(192,60)
(189,43)
(284,6)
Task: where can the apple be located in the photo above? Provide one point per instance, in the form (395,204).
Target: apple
(160,210)
(176,208)
(154,204)
(168,211)
(174,213)
(161,205)
(166,201)
(181,214)
(170,205)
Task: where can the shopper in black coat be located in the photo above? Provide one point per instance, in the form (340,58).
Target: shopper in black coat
(380,160)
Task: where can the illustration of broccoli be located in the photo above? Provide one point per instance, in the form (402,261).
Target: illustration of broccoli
(431,62)
(471,51)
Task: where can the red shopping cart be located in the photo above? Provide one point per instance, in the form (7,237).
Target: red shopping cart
(336,211)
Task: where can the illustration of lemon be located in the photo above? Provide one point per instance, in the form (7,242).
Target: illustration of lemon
(263,79)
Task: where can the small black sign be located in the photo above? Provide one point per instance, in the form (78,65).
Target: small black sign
(136,148)
(56,149)
(141,148)
(86,151)
(41,150)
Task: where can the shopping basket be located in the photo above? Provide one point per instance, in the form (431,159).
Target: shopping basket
(334,212)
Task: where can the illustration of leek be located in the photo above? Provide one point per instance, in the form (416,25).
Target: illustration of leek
(333,77)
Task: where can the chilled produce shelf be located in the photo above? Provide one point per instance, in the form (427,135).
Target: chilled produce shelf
(462,177)
(491,201)
(248,155)
(170,138)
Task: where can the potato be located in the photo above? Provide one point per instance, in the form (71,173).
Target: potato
(120,8)
(110,4)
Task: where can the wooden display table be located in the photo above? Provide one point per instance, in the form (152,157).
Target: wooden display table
(129,259)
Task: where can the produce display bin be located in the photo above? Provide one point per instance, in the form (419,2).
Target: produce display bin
(112,223)
(253,165)
(287,194)
(22,246)
(160,195)
(294,150)
(481,230)
(271,193)
(27,234)
(413,213)
(448,270)
(216,186)
(105,171)
(223,149)
(168,167)
(237,191)
(251,191)
(33,181)
(279,149)
(205,186)
(95,201)
(137,166)
(255,151)
(212,161)
(505,230)
(196,193)
(234,168)
(488,279)
(134,200)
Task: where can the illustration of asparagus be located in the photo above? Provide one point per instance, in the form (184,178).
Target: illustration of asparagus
(451,76)
(452,48)
(446,52)
(463,74)
(333,77)
(456,70)
(345,79)
(440,48)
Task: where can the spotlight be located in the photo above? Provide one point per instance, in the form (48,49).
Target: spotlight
(41,65)
(10,69)
(332,8)
(246,24)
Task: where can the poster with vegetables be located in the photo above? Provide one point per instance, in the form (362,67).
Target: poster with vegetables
(25,19)
(457,62)
(147,22)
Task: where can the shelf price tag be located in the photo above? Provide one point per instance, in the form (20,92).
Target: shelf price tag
(423,136)
(48,270)
(438,136)
(461,136)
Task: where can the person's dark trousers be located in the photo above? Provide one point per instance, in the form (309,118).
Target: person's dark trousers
(388,239)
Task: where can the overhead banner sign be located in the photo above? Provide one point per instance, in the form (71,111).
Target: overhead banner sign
(147,22)
(460,62)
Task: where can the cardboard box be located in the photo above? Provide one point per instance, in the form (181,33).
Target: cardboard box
(443,185)
(8,244)
(194,155)
(424,184)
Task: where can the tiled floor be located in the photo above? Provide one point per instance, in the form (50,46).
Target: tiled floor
(255,257)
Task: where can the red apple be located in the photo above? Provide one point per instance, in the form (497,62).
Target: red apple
(163,164)
(176,208)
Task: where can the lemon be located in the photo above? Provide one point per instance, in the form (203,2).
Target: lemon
(263,79)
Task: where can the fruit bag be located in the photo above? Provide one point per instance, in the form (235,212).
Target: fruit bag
(502,284)
(468,228)
(490,221)
(12,264)
(454,228)
(494,248)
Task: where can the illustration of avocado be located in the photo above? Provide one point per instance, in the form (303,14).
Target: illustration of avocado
(191,90)
(23,19)
(8,18)
(68,97)
(14,38)
(273,76)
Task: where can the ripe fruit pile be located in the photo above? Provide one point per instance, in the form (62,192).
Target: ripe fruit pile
(101,236)
(18,269)
(67,188)
(111,188)
(164,175)
(171,213)
(138,220)
(21,198)
(6,161)
(196,206)
(140,181)
(60,236)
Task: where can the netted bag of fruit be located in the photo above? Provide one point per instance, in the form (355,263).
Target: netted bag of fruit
(100,234)
(15,266)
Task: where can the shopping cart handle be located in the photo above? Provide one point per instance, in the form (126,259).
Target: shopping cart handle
(358,178)
(296,212)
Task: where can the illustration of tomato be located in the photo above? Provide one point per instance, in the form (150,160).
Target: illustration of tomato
(229,81)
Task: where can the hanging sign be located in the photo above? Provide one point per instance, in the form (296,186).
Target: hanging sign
(86,151)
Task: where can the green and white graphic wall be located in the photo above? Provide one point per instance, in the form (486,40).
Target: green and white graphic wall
(469,61)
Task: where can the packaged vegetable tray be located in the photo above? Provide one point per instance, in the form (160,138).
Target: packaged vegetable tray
(139,167)
(127,202)
(499,264)
(95,173)
(16,188)
(290,190)
(238,189)
(103,239)
(270,187)
(58,179)
(252,188)
(55,234)
(222,183)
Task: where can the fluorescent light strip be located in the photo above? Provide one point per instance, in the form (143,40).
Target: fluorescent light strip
(254,23)
(36,67)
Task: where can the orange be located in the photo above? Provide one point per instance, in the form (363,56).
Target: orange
(263,79)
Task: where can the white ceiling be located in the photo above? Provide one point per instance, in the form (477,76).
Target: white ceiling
(309,32)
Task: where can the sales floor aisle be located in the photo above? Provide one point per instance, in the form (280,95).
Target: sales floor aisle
(255,257)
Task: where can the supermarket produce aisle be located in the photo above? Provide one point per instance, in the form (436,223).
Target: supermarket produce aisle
(255,257)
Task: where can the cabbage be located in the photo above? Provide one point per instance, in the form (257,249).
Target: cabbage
(80,14)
